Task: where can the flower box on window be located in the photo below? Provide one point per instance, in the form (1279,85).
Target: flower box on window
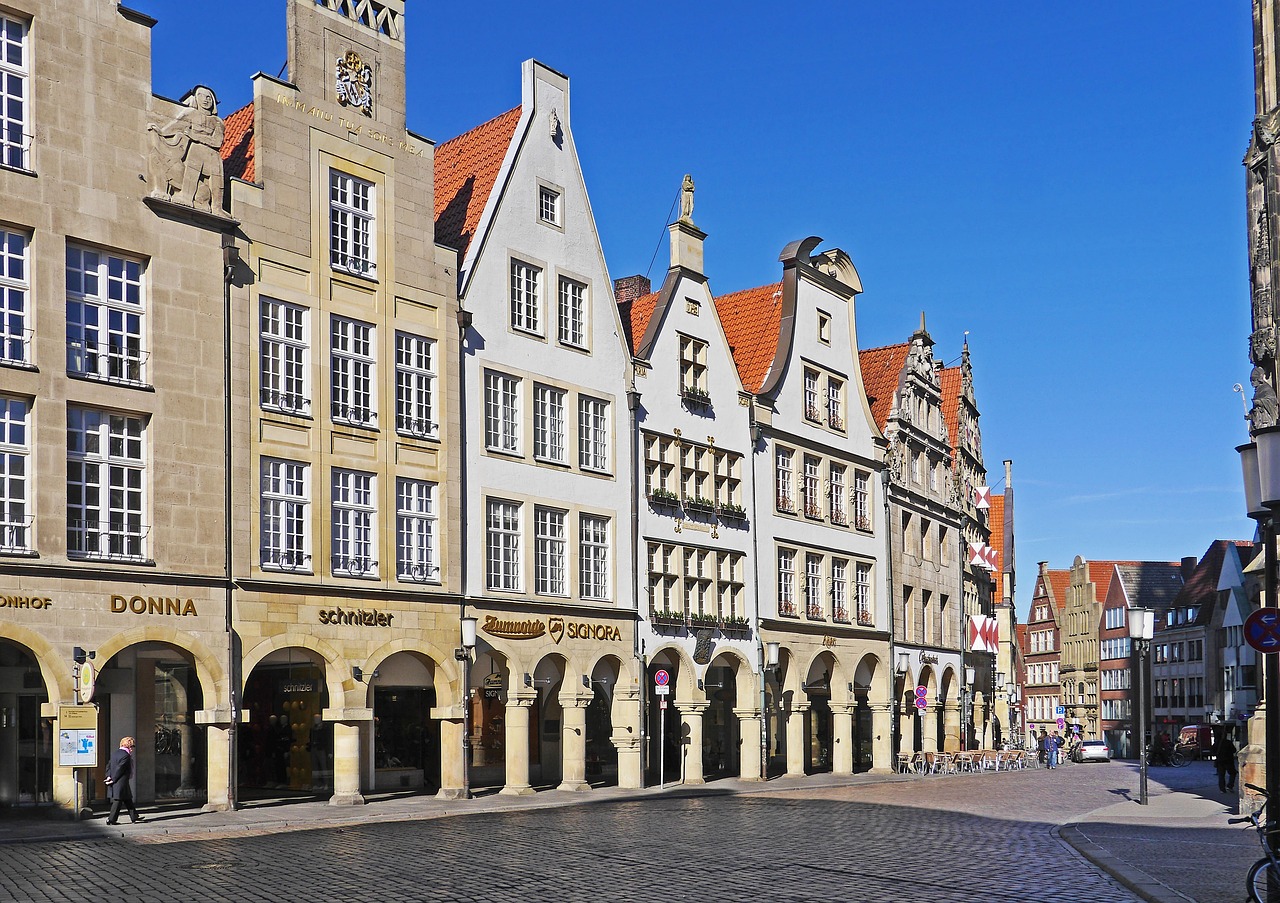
(839,518)
(735,624)
(812,509)
(835,421)
(695,395)
(664,498)
(787,609)
(842,615)
(785,504)
(697,619)
(698,504)
(865,619)
(816,613)
(862,522)
(812,413)
(731,511)
(664,618)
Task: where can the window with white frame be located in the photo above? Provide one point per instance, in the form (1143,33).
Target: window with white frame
(809,486)
(351,224)
(15,453)
(783,458)
(283,357)
(593,434)
(835,403)
(1113,618)
(572,319)
(813,586)
(840,589)
(695,475)
(417,531)
(354,551)
(351,368)
(550,552)
(285,511)
(727,474)
(812,410)
(502,525)
(835,494)
(15,289)
(15,125)
(824,328)
(663,578)
(861,500)
(106,484)
(548,424)
(416,386)
(787,582)
(697,580)
(729,583)
(526,300)
(862,592)
(548,205)
(593,558)
(693,369)
(105,316)
(501,412)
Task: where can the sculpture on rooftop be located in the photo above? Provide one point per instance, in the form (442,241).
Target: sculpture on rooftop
(184,162)
(686,200)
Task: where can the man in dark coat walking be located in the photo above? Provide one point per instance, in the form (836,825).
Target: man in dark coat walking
(119,771)
(1224,760)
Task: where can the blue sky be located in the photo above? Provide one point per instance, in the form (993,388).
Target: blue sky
(1063,181)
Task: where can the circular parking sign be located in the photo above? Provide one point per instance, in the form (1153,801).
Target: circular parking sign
(922,692)
(921,702)
(1262,630)
(661,678)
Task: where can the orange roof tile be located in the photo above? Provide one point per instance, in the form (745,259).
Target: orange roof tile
(466,168)
(1059,581)
(237,144)
(751,320)
(881,374)
(995,522)
(635,317)
(952,384)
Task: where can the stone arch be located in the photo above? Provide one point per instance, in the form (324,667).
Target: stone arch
(209,670)
(685,685)
(869,674)
(448,691)
(337,683)
(748,688)
(56,675)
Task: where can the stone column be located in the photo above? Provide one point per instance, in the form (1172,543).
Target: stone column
(346,764)
(452,720)
(626,737)
(951,724)
(929,736)
(217,757)
(573,742)
(796,739)
(882,742)
(842,739)
(517,746)
(749,750)
(692,712)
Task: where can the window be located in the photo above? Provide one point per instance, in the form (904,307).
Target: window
(824,328)
(861,500)
(573,313)
(593,434)
(811,409)
(415,385)
(503,526)
(840,589)
(1113,618)
(697,580)
(695,476)
(15,450)
(835,403)
(813,587)
(525,300)
(548,424)
(548,205)
(593,558)
(862,593)
(15,284)
(354,549)
(104,316)
(106,472)
(14,125)
(351,365)
(809,487)
(729,585)
(693,370)
(787,582)
(728,482)
(351,224)
(501,412)
(549,551)
(416,531)
(285,493)
(782,476)
(283,352)
(663,578)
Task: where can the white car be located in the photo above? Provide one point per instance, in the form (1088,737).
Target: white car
(1093,751)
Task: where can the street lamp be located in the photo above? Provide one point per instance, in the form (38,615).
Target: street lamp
(463,654)
(966,693)
(1142,623)
(904,662)
(999,691)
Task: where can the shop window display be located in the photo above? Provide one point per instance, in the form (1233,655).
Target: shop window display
(286,745)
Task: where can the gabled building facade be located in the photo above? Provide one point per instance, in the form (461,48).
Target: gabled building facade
(1042,691)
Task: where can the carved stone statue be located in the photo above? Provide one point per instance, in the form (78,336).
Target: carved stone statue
(1262,345)
(184,162)
(553,123)
(1265,405)
(686,200)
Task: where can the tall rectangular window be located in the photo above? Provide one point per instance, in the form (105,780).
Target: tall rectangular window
(106,479)
(104,316)
(417,531)
(526,299)
(502,525)
(697,580)
(840,589)
(729,585)
(573,313)
(548,205)
(813,586)
(15,126)
(782,477)
(351,366)
(662,578)
(550,552)
(351,224)
(593,558)
(548,424)
(15,451)
(862,592)
(839,514)
(812,410)
(593,433)
(415,385)
(285,506)
(809,487)
(835,403)
(693,368)
(787,582)
(15,288)
(501,412)
(355,508)
(861,500)
(283,357)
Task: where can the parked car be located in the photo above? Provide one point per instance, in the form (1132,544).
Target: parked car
(1093,751)
(1195,741)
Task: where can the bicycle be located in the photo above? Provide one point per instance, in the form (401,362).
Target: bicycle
(1263,880)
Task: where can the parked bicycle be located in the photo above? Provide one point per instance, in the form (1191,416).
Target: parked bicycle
(1158,756)
(1263,881)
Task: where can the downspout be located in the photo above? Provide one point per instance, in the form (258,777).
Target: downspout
(637,644)
(230,256)
(894,700)
(755,435)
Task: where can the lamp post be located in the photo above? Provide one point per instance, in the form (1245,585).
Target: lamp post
(463,654)
(769,652)
(904,662)
(995,740)
(1142,622)
(966,693)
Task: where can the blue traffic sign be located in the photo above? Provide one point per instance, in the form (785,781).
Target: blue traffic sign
(661,678)
(1262,630)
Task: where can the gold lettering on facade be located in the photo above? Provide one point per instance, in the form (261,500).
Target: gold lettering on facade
(513,630)
(828,641)
(356,617)
(556,627)
(25,602)
(356,128)
(154,605)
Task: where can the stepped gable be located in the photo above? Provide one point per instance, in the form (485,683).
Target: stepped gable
(466,168)
(752,319)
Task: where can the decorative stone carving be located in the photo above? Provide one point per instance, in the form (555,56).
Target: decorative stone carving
(1262,240)
(1265,404)
(1264,133)
(184,162)
(1262,345)
(686,200)
(553,125)
(353,83)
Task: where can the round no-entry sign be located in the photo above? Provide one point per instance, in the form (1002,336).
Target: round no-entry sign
(661,678)
(1262,630)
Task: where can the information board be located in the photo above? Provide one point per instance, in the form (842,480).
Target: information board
(77,736)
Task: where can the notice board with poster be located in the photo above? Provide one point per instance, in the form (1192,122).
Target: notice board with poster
(77,736)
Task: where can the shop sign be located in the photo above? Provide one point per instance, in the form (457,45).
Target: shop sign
(366,617)
(557,628)
(25,602)
(828,641)
(299,686)
(153,605)
(928,658)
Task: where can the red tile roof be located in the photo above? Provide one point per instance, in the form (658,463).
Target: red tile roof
(237,144)
(1059,581)
(952,385)
(881,374)
(635,317)
(751,320)
(466,169)
(995,521)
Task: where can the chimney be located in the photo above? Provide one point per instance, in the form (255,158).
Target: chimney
(628,288)
(1188,566)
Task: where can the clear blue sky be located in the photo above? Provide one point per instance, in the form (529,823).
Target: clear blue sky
(1062,180)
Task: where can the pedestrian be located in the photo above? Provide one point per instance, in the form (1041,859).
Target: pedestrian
(119,771)
(1224,760)
(1042,747)
(1055,746)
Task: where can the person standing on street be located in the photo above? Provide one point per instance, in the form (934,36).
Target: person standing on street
(1224,760)
(119,791)
(1055,748)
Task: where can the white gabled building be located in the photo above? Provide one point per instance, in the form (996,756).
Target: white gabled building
(548,554)
(697,608)
(818,519)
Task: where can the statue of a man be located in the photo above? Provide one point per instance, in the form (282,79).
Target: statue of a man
(686,200)
(185,161)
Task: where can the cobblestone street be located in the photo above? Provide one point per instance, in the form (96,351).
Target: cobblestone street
(960,838)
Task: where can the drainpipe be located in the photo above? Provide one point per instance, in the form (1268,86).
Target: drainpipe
(230,257)
(464,324)
(894,700)
(755,435)
(637,644)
